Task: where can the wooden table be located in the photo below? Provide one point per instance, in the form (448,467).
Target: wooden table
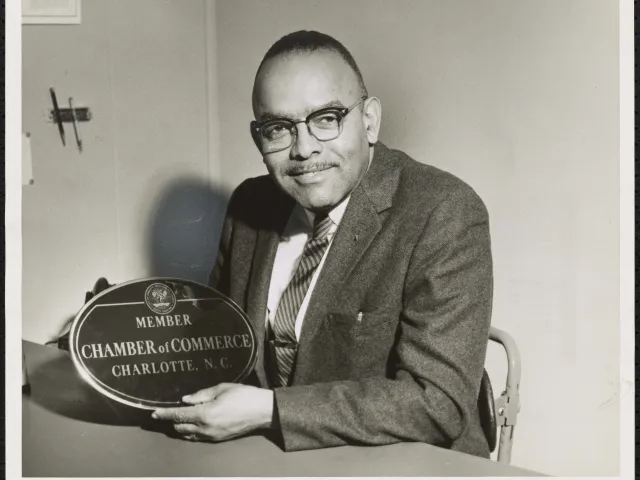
(69,430)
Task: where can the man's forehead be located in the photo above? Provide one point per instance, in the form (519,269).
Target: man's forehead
(299,83)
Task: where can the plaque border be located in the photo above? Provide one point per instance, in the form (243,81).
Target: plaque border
(146,404)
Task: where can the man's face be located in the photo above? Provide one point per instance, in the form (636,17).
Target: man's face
(318,175)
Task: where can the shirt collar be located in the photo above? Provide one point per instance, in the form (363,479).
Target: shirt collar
(335,215)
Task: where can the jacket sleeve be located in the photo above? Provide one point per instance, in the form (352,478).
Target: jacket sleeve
(430,392)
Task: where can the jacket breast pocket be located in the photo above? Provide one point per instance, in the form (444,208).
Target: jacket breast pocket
(368,337)
(375,324)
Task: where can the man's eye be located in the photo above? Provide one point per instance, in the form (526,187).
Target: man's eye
(274,130)
(326,120)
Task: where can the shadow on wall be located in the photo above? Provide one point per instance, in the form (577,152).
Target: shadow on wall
(183,236)
(185,228)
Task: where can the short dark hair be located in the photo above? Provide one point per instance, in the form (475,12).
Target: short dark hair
(308,41)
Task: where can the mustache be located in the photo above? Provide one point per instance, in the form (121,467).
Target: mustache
(308,168)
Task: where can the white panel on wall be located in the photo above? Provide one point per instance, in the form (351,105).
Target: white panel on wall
(27,163)
(59,12)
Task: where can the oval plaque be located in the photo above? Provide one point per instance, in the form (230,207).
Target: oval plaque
(147,343)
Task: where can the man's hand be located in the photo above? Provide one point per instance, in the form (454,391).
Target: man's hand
(222,412)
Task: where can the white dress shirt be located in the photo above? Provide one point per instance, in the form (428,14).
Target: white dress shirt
(296,233)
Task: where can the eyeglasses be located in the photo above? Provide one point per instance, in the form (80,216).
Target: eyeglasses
(278,134)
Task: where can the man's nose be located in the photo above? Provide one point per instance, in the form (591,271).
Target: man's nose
(304,144)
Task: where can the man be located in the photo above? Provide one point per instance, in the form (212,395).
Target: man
(366,274)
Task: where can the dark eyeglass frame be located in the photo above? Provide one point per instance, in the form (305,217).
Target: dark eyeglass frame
(342,112)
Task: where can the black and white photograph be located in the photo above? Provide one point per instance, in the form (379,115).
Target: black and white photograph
(293,238)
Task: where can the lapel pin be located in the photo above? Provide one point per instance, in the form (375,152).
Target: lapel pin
(355,237)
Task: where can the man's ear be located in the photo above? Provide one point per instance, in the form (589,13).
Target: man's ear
(372,116)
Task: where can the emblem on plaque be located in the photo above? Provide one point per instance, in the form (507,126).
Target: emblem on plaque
(160,298)
(147,343)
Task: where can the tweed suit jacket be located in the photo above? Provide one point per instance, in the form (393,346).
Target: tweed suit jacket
(412,254)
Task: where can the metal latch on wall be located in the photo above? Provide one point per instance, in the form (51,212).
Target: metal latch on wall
(71,115)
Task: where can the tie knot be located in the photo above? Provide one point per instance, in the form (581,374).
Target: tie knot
(321,225)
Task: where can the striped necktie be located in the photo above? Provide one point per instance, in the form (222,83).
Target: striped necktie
(284,325)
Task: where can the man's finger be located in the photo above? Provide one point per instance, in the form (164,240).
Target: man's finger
(178,415)
(207,394)
(201,396)
(186,428)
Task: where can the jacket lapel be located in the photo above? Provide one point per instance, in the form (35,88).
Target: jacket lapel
(359,226)
(267,241)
